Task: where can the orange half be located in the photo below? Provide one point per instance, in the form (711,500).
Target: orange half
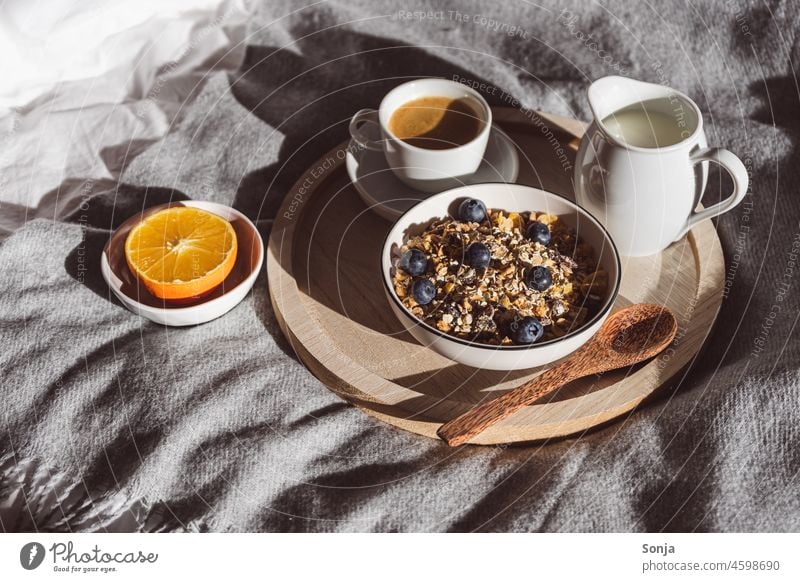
(181,252)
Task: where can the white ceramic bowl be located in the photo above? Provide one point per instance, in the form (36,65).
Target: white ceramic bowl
(226,296)
(511,197)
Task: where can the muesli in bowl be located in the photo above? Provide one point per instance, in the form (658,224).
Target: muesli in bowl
(500,276)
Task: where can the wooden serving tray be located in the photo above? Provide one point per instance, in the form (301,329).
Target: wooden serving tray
(325,284)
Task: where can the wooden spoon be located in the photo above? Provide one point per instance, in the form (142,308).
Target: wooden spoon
(629,336)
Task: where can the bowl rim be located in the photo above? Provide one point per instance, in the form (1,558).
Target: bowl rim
(247,282)
(599,316)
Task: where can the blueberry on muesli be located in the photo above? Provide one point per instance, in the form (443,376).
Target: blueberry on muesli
(423,291)
(538,232)
(414,262)
(471,210)
(478,256)
(526,330)
(539,278)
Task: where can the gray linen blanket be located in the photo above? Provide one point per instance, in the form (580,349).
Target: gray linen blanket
(112,422)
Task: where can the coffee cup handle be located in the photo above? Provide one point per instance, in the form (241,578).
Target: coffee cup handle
(361,119)
(738,173)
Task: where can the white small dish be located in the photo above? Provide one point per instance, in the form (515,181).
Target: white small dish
(226,296)
(510,197)
(389,197)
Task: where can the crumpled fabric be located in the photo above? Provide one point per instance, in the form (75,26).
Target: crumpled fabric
(86,86)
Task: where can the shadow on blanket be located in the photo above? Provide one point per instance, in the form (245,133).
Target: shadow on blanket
(311,80)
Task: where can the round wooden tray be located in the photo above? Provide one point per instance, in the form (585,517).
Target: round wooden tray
(325,285)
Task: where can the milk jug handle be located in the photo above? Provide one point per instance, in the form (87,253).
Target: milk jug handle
(738,173)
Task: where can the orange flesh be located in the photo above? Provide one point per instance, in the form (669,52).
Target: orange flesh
(181,252)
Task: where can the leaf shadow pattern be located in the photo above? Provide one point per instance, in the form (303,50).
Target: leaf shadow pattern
(326,75)
(753,254)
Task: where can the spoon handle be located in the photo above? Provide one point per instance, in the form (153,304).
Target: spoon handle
(462,428)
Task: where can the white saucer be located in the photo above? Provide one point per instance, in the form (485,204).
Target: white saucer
(226,296)
(390,198)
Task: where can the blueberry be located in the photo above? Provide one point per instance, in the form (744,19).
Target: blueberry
(472,210)
(526,330)
(423,291)
(414,262)
(478,255)
(539,279)
(538,232)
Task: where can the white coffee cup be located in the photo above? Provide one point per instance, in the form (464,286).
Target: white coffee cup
(429,170)
(647,196)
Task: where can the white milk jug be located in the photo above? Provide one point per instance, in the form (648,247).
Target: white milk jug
(640,167)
